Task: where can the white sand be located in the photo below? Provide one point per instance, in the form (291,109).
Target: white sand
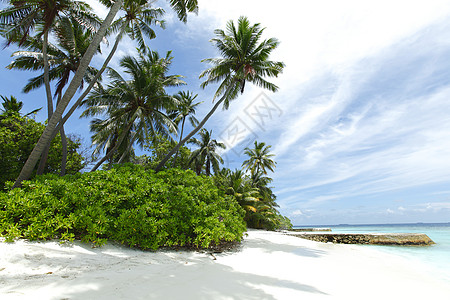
(268,266)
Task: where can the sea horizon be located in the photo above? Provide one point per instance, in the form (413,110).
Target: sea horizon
(374,224)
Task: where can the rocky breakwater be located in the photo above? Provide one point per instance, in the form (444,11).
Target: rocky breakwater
(416,239)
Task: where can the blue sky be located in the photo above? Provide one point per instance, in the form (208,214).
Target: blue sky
(361,124)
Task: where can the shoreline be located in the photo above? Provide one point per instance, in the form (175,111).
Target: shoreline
(268,265)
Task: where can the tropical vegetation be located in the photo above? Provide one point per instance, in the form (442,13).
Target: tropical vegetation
(252,190)
(63,59)
(19,134)
(127,204)
(206,153)
(134,108)
(178,193)
(244,59)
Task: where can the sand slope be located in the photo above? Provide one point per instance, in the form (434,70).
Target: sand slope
(268,266)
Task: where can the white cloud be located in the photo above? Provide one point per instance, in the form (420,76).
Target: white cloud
(297,212)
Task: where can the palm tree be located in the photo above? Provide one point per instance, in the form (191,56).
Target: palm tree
(73,41)
(64,57)
(13,107)
(133,106)
(138,17)
(136,22)
(206,153)
(180,6)
(261,182)
(105,136)
(185,109)
(259,159)
(22,18)
(236,184)
(244,58)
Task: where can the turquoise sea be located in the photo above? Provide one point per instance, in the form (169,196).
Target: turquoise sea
(436,256)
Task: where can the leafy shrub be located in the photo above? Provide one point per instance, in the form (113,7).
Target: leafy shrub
(18,135)
(255,197)
(127,204)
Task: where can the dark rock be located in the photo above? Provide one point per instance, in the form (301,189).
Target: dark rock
(418,239)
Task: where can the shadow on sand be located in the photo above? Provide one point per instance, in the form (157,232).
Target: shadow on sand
(120,273)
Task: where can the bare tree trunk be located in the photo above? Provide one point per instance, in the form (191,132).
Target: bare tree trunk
(48,92)
(64,152)
(122,157)
(70,92)
(208,167)
(196,129)
(63,144)
(181,137)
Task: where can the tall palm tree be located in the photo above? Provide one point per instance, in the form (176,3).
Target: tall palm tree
(73,41)
(206,153)
(260,159)
(180,6)
(137,105)
(138,17)
(244,58)
(23,18)
(185,109)
(136,22)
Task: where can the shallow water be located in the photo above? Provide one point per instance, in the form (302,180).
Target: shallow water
(437,256)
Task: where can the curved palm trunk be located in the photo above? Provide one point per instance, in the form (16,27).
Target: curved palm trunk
(208,166)
(63,144)
(181,137)
(64,152)
(198,168)
(94,80)
(254,175)
(48,92)
(87,90)
(122,157)
(116,146)
(70,92)
(196,129)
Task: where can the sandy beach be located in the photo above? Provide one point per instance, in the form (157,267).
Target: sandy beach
(268,265)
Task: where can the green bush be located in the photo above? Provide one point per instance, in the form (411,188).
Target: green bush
(18,135)
(126,204)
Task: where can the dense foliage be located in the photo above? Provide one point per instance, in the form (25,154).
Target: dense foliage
(130,203)
(18,135)
(255,197)
(127,204)
(135,109)
(158,148)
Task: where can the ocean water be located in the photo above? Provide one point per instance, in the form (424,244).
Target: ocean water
(436,256)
